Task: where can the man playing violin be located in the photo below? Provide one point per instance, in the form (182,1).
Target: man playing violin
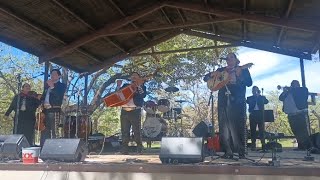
(131,113)
(27,109)
(52,98)
(232,106)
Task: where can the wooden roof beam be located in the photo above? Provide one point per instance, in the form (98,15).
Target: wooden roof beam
(181,15)
(166,16)
(136,50)
(40,30)
(109,40)
(183,50)
(287,23)
(100,32)
(251,45)
(243,23)
(124,15)
(175,26)
(286,17)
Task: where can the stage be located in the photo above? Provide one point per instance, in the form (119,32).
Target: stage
(148,166)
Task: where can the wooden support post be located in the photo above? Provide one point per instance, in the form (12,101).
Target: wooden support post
(303,78)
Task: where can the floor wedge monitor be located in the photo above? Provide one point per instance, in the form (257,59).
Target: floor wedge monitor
(181,150)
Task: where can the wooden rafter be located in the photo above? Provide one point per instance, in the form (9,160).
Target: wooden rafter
(166,16)
(136,50)
(196,7)
(40,30)
(181,15)
(124,15)
(109,40)
(259,46)
(183,50)
(100,32)
(110,27)
(175,26)
(243,23)
(285,16)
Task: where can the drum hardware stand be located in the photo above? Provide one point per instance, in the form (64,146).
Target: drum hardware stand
(212,151)
(308,157)
(275,161)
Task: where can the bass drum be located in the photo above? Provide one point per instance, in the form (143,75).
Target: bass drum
(164,105)
(70,127)
(154,127)
(150,107)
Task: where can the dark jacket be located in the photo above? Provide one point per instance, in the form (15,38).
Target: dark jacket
(31,104)
(300,96)
(56,94)
(138,97)
(259,100)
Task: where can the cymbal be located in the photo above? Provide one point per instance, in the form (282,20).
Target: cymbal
(181,101)
(171,89)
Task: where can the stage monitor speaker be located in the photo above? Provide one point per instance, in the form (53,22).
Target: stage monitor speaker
(181,150)
(67,150)
(11,146)
(201,130)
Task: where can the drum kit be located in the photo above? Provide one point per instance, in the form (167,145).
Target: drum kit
(155,125)
(77,124)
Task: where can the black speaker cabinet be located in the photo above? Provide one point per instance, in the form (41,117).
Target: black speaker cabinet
(67,150)
(11,146)
(181,150)
(201,130)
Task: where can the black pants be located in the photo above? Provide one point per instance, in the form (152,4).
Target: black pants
(26,122)
(130,119)
(232,128)
(300,129)
(256,118)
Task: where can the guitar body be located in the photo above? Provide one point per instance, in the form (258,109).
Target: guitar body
(222,78)
(121,97)
(218,81)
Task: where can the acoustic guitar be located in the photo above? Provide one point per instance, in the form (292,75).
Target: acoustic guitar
(220,79)
(124,95)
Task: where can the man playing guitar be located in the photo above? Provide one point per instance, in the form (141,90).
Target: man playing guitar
(131,113)
(232,106)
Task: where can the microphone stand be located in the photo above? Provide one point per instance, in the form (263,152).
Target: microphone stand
(16,119)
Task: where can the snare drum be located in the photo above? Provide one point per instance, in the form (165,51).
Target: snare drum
(154,127)
(150,107)
(164,105)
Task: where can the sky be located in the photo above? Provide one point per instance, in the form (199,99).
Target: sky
(270,70)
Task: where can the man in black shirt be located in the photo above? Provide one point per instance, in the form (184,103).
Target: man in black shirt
(256,108)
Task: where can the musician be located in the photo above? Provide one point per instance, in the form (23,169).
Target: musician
(27,110)
(52,98)
(256,107)
(131,114)
(232,106)
(295,105)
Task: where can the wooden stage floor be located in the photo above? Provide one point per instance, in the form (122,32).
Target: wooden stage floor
(292,163)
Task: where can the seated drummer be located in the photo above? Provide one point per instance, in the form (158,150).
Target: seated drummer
(131,114)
